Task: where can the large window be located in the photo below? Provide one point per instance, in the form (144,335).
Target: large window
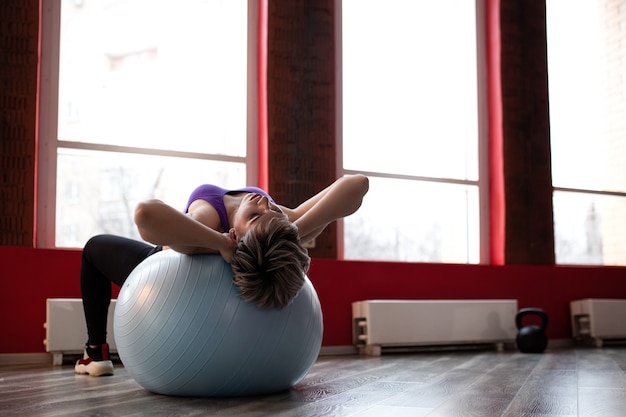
(151,101)
(587,86)
(411,122)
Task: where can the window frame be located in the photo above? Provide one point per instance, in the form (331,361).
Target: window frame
(484,170)
(47,118)
(601,191)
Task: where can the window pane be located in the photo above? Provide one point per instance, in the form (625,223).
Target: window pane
(98,191)
(410,87)
(410,94)
(587,62)
(589,229)
(154,73)
(429,222)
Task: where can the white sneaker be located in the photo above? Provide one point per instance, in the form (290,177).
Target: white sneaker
(89,365)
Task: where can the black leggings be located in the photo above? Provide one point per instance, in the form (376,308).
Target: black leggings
(106,259)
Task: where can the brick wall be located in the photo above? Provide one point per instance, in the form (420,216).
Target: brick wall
(19,28)
(529,231)
(301,105)
(613,17)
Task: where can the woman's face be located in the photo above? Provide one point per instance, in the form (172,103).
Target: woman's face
(254,209)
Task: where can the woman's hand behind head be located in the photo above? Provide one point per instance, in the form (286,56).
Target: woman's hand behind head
(230,246)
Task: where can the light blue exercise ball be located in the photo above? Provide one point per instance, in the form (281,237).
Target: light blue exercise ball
(181,329)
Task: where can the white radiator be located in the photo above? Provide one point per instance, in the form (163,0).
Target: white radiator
(402,324)
(599,319)
(66,331)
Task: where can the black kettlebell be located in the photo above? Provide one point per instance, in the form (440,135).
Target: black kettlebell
(531,339)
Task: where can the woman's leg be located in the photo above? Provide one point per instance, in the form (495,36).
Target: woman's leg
(106,259)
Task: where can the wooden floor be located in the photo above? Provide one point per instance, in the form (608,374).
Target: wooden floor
(568,382)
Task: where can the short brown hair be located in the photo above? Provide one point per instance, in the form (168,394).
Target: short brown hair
(269,264)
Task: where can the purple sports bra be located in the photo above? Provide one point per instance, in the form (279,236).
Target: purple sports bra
(214,195)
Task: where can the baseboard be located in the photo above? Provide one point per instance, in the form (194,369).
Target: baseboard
(24,358)
(338,350)
(560,343)
(31,358)
(352,350)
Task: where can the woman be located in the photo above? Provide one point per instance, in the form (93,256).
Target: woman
(263,242)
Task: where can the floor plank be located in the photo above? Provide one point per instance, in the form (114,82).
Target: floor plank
(559,383)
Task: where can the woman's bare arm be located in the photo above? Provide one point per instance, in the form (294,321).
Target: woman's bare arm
(161,224)
(195,232)
(338,200)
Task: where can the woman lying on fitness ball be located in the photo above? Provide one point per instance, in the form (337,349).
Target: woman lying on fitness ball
(263,241)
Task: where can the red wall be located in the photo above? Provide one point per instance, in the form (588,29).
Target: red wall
(339,283)
(29,276)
